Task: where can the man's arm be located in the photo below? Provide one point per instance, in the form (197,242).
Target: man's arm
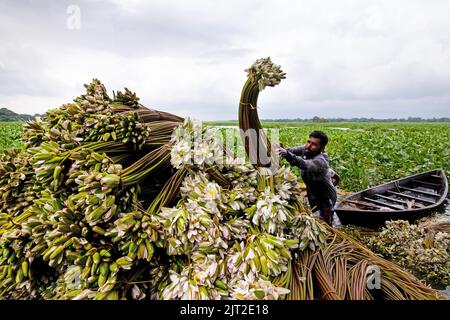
(317,165)
(298,151)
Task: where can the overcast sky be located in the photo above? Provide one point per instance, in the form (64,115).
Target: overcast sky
(382,59)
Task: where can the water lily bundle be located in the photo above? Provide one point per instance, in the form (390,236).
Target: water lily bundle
(69,198)
(261,74)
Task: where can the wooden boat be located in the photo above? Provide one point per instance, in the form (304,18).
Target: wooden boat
(407,198)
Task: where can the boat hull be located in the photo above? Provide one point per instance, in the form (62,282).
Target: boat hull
(406,199)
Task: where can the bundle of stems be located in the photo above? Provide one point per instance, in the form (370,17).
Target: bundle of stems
(152,163)
(168,192)
(257,146)
(301,283)
(340,271)
(146,114)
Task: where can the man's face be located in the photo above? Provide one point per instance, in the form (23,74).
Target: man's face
(312,146)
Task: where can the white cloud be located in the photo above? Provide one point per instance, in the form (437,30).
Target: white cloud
(346,58)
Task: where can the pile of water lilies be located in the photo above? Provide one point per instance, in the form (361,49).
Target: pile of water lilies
(424,251)
(112,200)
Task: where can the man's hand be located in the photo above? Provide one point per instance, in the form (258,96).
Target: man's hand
(281,152)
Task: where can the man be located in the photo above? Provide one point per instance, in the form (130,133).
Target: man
(319,179)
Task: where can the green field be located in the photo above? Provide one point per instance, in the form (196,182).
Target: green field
(10,133)
(364,154)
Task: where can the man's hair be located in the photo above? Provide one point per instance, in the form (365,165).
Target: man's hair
(320,135)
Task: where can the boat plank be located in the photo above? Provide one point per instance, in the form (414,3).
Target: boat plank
(422,192)
(399,201)
(364,204)
(395,207)
(411,197)
(430,184)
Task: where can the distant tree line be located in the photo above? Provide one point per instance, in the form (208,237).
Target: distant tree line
(319,119)
(7,115)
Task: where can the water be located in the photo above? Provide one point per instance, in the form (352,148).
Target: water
(339,128)
(226,127)
(282,127)
(446,291)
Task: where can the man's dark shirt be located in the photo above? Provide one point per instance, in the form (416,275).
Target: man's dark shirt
(316,174)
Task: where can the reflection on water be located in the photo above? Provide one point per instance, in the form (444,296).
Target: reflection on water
(447,291)
(339,128)
(226,127)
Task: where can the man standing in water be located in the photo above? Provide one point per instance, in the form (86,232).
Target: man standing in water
(319,178)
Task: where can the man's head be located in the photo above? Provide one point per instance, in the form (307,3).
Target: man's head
(316,143)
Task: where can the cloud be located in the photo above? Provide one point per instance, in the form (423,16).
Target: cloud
(352,58)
